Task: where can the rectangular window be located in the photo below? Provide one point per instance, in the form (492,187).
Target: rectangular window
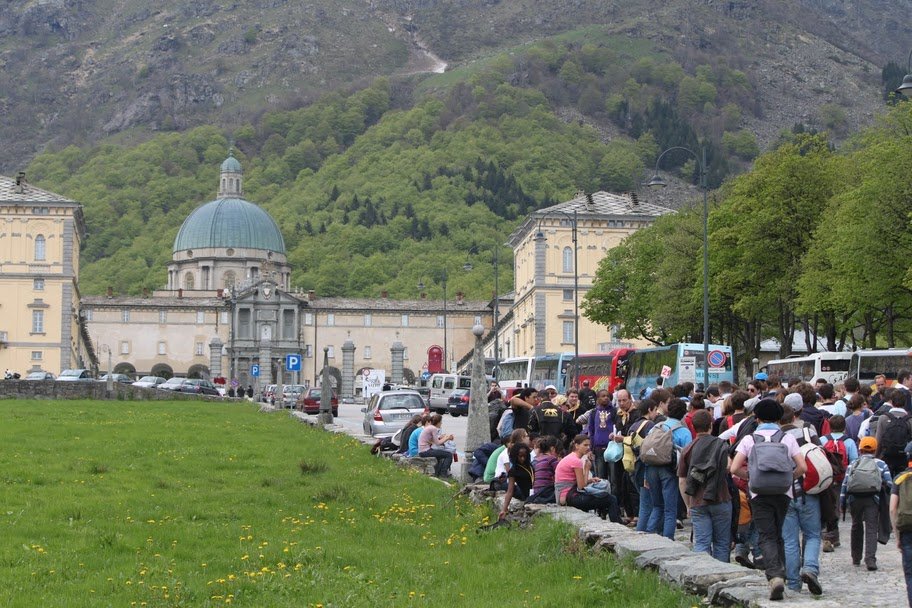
(162,316)
(200,317)
(162,349)
(568,295)
(4,336)
(367,320)
(223,317)
(440,319)
(37,321)
(405,353)
(330,319)
(478,320)
(331,353)
(405,320)
(367,352)
(124,348)
(36,355)
(308,318)
(38,284)
(199,348)
(87,314)
(568,332)
(288,324)
(244,323)
(125,315)
(308,351)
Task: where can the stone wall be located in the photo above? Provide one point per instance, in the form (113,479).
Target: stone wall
(53,390)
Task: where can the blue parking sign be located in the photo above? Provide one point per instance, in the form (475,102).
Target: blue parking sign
(255,370)
(293,363)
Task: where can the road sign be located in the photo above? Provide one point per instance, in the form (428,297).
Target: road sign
(666,371)
(716,358)
(426,375)
(255,370)
(293,363)
(687,372)
(374,379)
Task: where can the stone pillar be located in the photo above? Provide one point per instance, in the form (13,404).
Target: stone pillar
(348,370)
(478,430)
(215,357)
(326,416)
(396,356)
(265,364)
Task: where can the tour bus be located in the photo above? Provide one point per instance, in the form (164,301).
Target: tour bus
(514,373)
(602,370)
(831,366)
(866,364)
(645,365)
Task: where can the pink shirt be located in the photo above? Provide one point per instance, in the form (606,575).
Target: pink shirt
(747,444)
(565,473)
(427,438)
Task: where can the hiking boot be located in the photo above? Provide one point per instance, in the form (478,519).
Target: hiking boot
(744,561)
(872,565)
(777,588)
(827,547)
(759,564)
(810,579)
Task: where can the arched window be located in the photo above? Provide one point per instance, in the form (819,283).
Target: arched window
(568,260)
(229,279)
(40,252)
(188,281)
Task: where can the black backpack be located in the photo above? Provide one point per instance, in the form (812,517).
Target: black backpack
(895,435)
(748,426)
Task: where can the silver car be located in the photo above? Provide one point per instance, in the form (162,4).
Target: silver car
(389,411)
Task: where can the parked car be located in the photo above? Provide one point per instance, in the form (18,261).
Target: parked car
(122,378)
(425,392)
(172,384)
(40,376)
(389,411)
(149,381)
(290,394)
(75,375)
(199,387)
(442,385)
(269,394)
(309,401)
(458,403)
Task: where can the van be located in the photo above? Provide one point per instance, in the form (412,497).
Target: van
(442,385)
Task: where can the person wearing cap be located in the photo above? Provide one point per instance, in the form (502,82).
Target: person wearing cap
(769,510)
(865,508)
(901,502)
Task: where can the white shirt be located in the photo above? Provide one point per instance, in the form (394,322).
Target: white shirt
(502,460)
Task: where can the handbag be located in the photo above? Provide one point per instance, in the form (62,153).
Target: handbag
(614,451)
(598,489)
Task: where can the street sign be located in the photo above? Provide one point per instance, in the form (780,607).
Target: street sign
(374,380)
(666,371)
(293,363)
(255,370)
(716,358)
(426,375)
(687,372)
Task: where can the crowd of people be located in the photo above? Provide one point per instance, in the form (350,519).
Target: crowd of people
(764,472)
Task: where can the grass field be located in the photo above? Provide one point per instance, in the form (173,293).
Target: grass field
(201,504)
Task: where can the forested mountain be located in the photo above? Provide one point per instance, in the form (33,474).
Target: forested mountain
(372,163)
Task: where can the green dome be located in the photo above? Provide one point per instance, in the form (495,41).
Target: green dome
(229,222)
(231,164)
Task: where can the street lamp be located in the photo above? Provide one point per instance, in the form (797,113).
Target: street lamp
(906,87)
(657,181)
(467,267)
(541,235)
(444,281)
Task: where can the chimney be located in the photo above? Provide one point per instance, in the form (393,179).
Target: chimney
(384,294)
(311,295)
(423,296)
(145,292)
(459,297)
(634,201)
(110,293)
(20,182)
(590,204)
(180,293)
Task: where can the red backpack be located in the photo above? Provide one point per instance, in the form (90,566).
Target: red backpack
(838,449)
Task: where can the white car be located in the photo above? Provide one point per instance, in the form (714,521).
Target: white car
(149,381)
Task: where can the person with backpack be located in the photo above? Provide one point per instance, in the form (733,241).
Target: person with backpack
(856,415)
(843,451)
(770,461)
(600,429)
(659,452)
(809,412)
(548,418)
(901,519)
(703,481)
(894,432)
(860,496)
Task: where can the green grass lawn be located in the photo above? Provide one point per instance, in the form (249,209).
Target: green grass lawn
(202,504)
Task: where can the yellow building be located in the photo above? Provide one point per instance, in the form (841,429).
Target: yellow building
(40,323)
(556,253)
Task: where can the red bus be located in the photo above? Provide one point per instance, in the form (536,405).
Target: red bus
(602,370)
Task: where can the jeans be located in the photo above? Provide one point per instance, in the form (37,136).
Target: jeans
(865,518)
(801,518)
(444,460)
(905,548)
(603,505)
(769,518)
(663,488)
(712,529)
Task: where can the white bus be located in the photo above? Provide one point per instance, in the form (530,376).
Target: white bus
(515,373)
(866,364)
(831,366)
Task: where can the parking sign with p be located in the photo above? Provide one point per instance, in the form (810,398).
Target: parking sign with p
(293,363)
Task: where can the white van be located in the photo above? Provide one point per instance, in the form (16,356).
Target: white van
(442,385)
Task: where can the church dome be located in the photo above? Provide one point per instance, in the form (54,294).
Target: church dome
(229,222)
(231,164)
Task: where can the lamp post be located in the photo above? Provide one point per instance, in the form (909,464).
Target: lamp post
(468,266)
(905,88)
(445,351)
(541,235)
(657,181)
